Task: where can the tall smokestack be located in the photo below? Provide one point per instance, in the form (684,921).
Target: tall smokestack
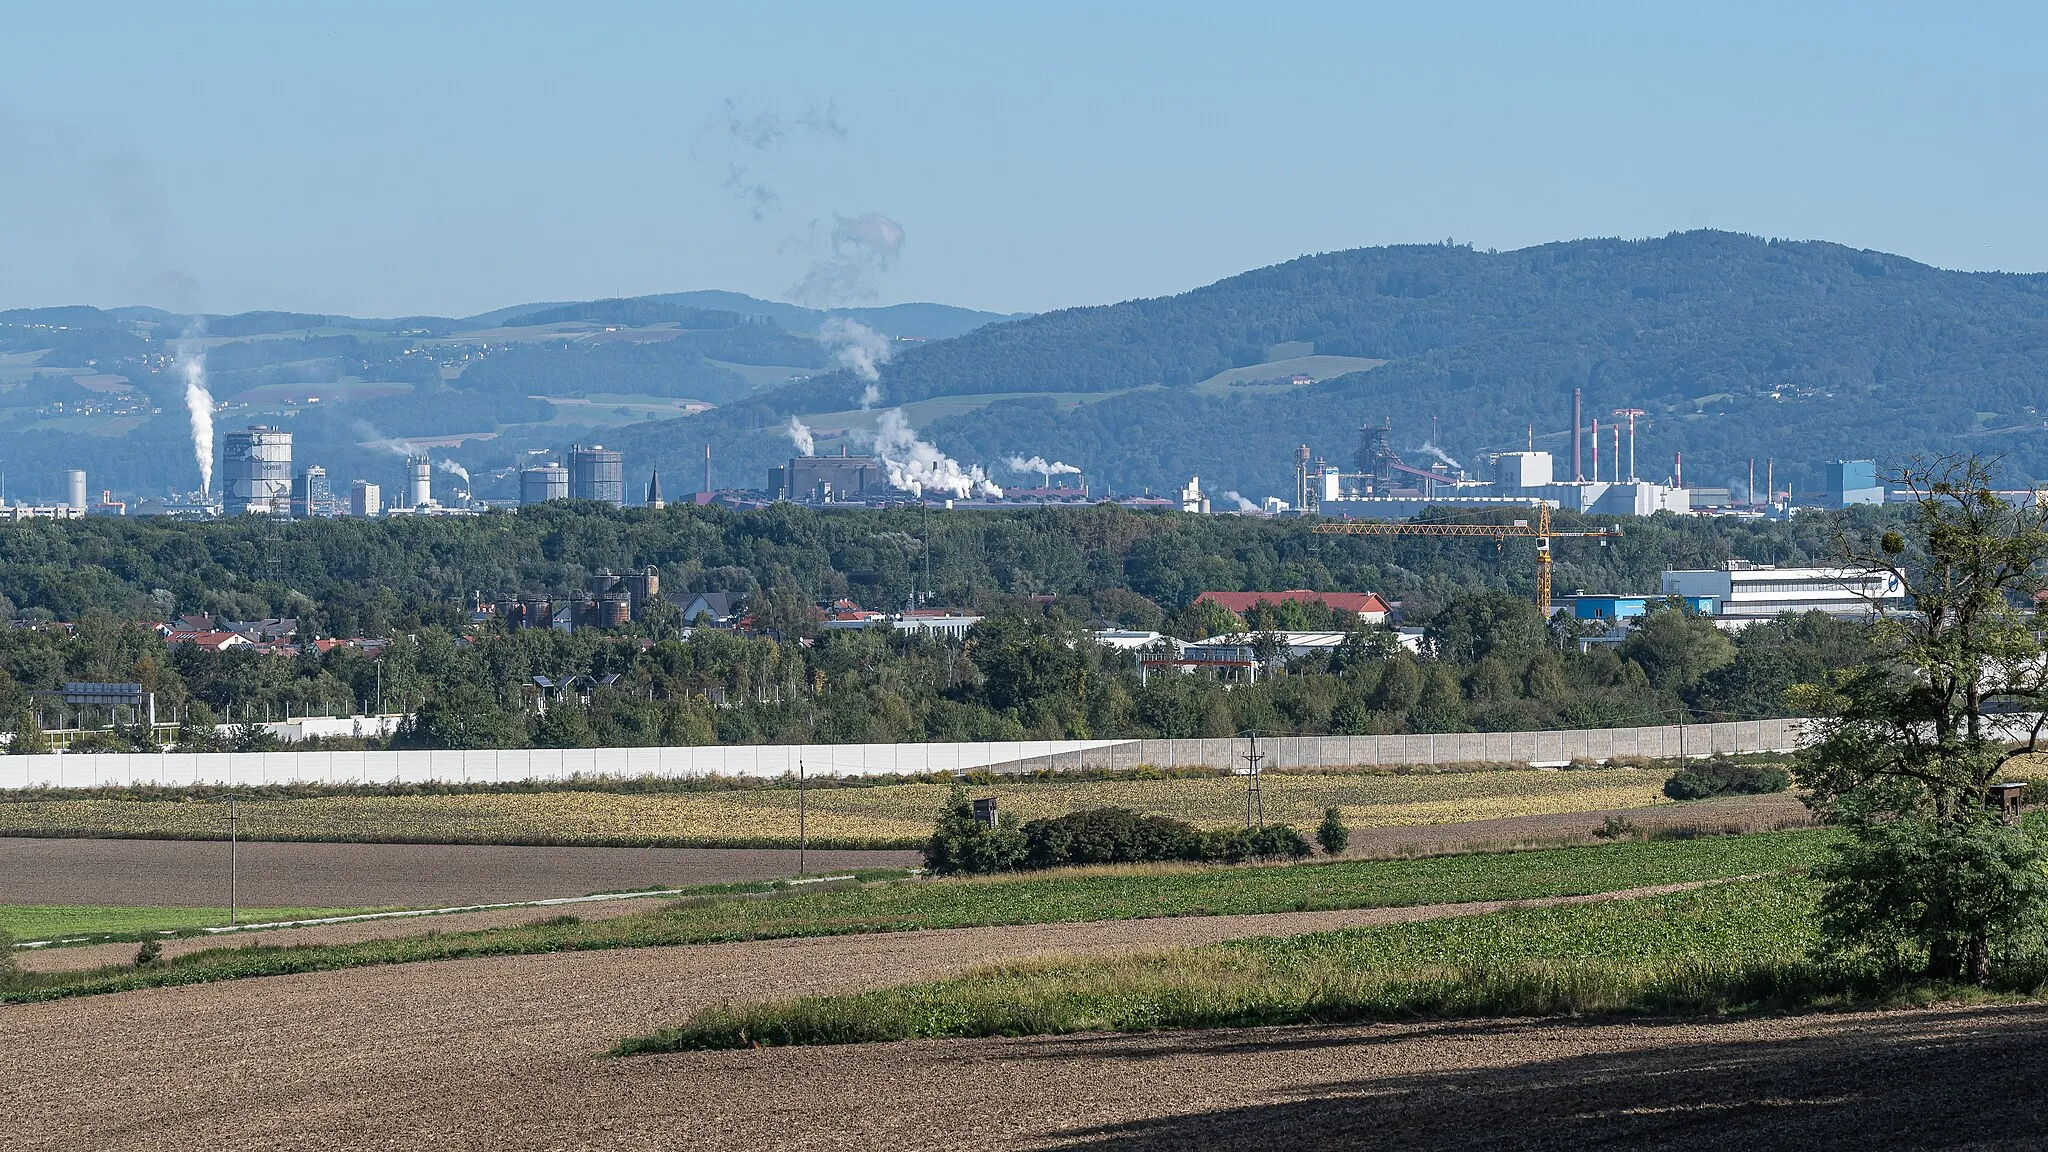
(1752,480)
(707,467)
(1596,450)
(1770,480)
(1678,469)
(1577,462)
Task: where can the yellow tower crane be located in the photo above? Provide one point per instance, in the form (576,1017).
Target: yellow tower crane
(1498,533)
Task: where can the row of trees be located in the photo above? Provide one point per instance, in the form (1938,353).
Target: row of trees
(1490,662)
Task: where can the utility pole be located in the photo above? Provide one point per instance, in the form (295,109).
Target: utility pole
(1254,802)
(234,862)
(802,831)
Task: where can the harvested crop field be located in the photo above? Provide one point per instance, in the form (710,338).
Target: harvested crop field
(135,872)
(501,1053)
(898,815)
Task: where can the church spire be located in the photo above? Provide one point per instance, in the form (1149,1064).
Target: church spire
(654,499)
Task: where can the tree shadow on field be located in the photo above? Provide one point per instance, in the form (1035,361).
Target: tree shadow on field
(1959,1079)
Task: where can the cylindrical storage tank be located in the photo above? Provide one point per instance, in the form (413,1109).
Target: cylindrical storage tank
(420,480)
(74,488)
(543,483)
(616,610)
(536,613)
(597,474)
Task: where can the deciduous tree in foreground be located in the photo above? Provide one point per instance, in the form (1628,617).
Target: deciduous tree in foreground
(1904,747)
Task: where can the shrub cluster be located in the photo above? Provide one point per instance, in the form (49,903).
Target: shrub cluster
(1722,777)
(960,843)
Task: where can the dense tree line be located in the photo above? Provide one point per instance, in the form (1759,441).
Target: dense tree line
(1043,578)
(352,576)
(1029,671)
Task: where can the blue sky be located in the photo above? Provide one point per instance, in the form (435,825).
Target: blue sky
(453,157)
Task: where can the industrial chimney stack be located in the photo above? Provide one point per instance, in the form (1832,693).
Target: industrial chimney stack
(1578,457)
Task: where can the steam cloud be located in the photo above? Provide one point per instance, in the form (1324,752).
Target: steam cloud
(1440,454)
(861,349)
(753,135)
(453,469)
(800,435)
(861,249)
(1243,505)
(1037,464)
(917,467)
(191,361)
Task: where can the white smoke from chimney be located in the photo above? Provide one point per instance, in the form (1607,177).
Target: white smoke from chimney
(1038,464)
(1243,505)
(800,435)
(191,360)
(859,348)
(917,467)
(1440,454)
(453,469)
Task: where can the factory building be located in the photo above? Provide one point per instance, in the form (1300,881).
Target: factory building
(1743,593)
(1386,488)
(542,483)
(597,474)
(310,496)
(1852,482)
(256,471)
(824,479)
(365,499)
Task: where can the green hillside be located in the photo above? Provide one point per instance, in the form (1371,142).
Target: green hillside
(1736,347)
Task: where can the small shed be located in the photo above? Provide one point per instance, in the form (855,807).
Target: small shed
(2005,797)
(985,811)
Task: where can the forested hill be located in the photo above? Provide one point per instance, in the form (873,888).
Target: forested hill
(1735,347)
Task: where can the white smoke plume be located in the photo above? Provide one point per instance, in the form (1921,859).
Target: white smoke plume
(856,346)
(800,435)
(845,267)
(1243,505)
(869,397)
(453,469)
(749,137)
(1440,454)
(1037,464)
(191,360)
(917,467)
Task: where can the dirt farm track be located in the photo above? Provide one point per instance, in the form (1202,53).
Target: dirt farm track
(502,1053)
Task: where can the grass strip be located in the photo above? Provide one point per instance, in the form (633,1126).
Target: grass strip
(1058,897)
(1725,948)
(53,921)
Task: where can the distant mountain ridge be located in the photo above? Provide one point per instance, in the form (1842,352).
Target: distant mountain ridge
(916,321)
(1733,346)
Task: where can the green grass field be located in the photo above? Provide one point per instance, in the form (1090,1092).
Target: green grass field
(50,921)
(1726,947)
(1075,896)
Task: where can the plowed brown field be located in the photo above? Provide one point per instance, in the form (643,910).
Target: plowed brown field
(501,1053)
(288,875)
